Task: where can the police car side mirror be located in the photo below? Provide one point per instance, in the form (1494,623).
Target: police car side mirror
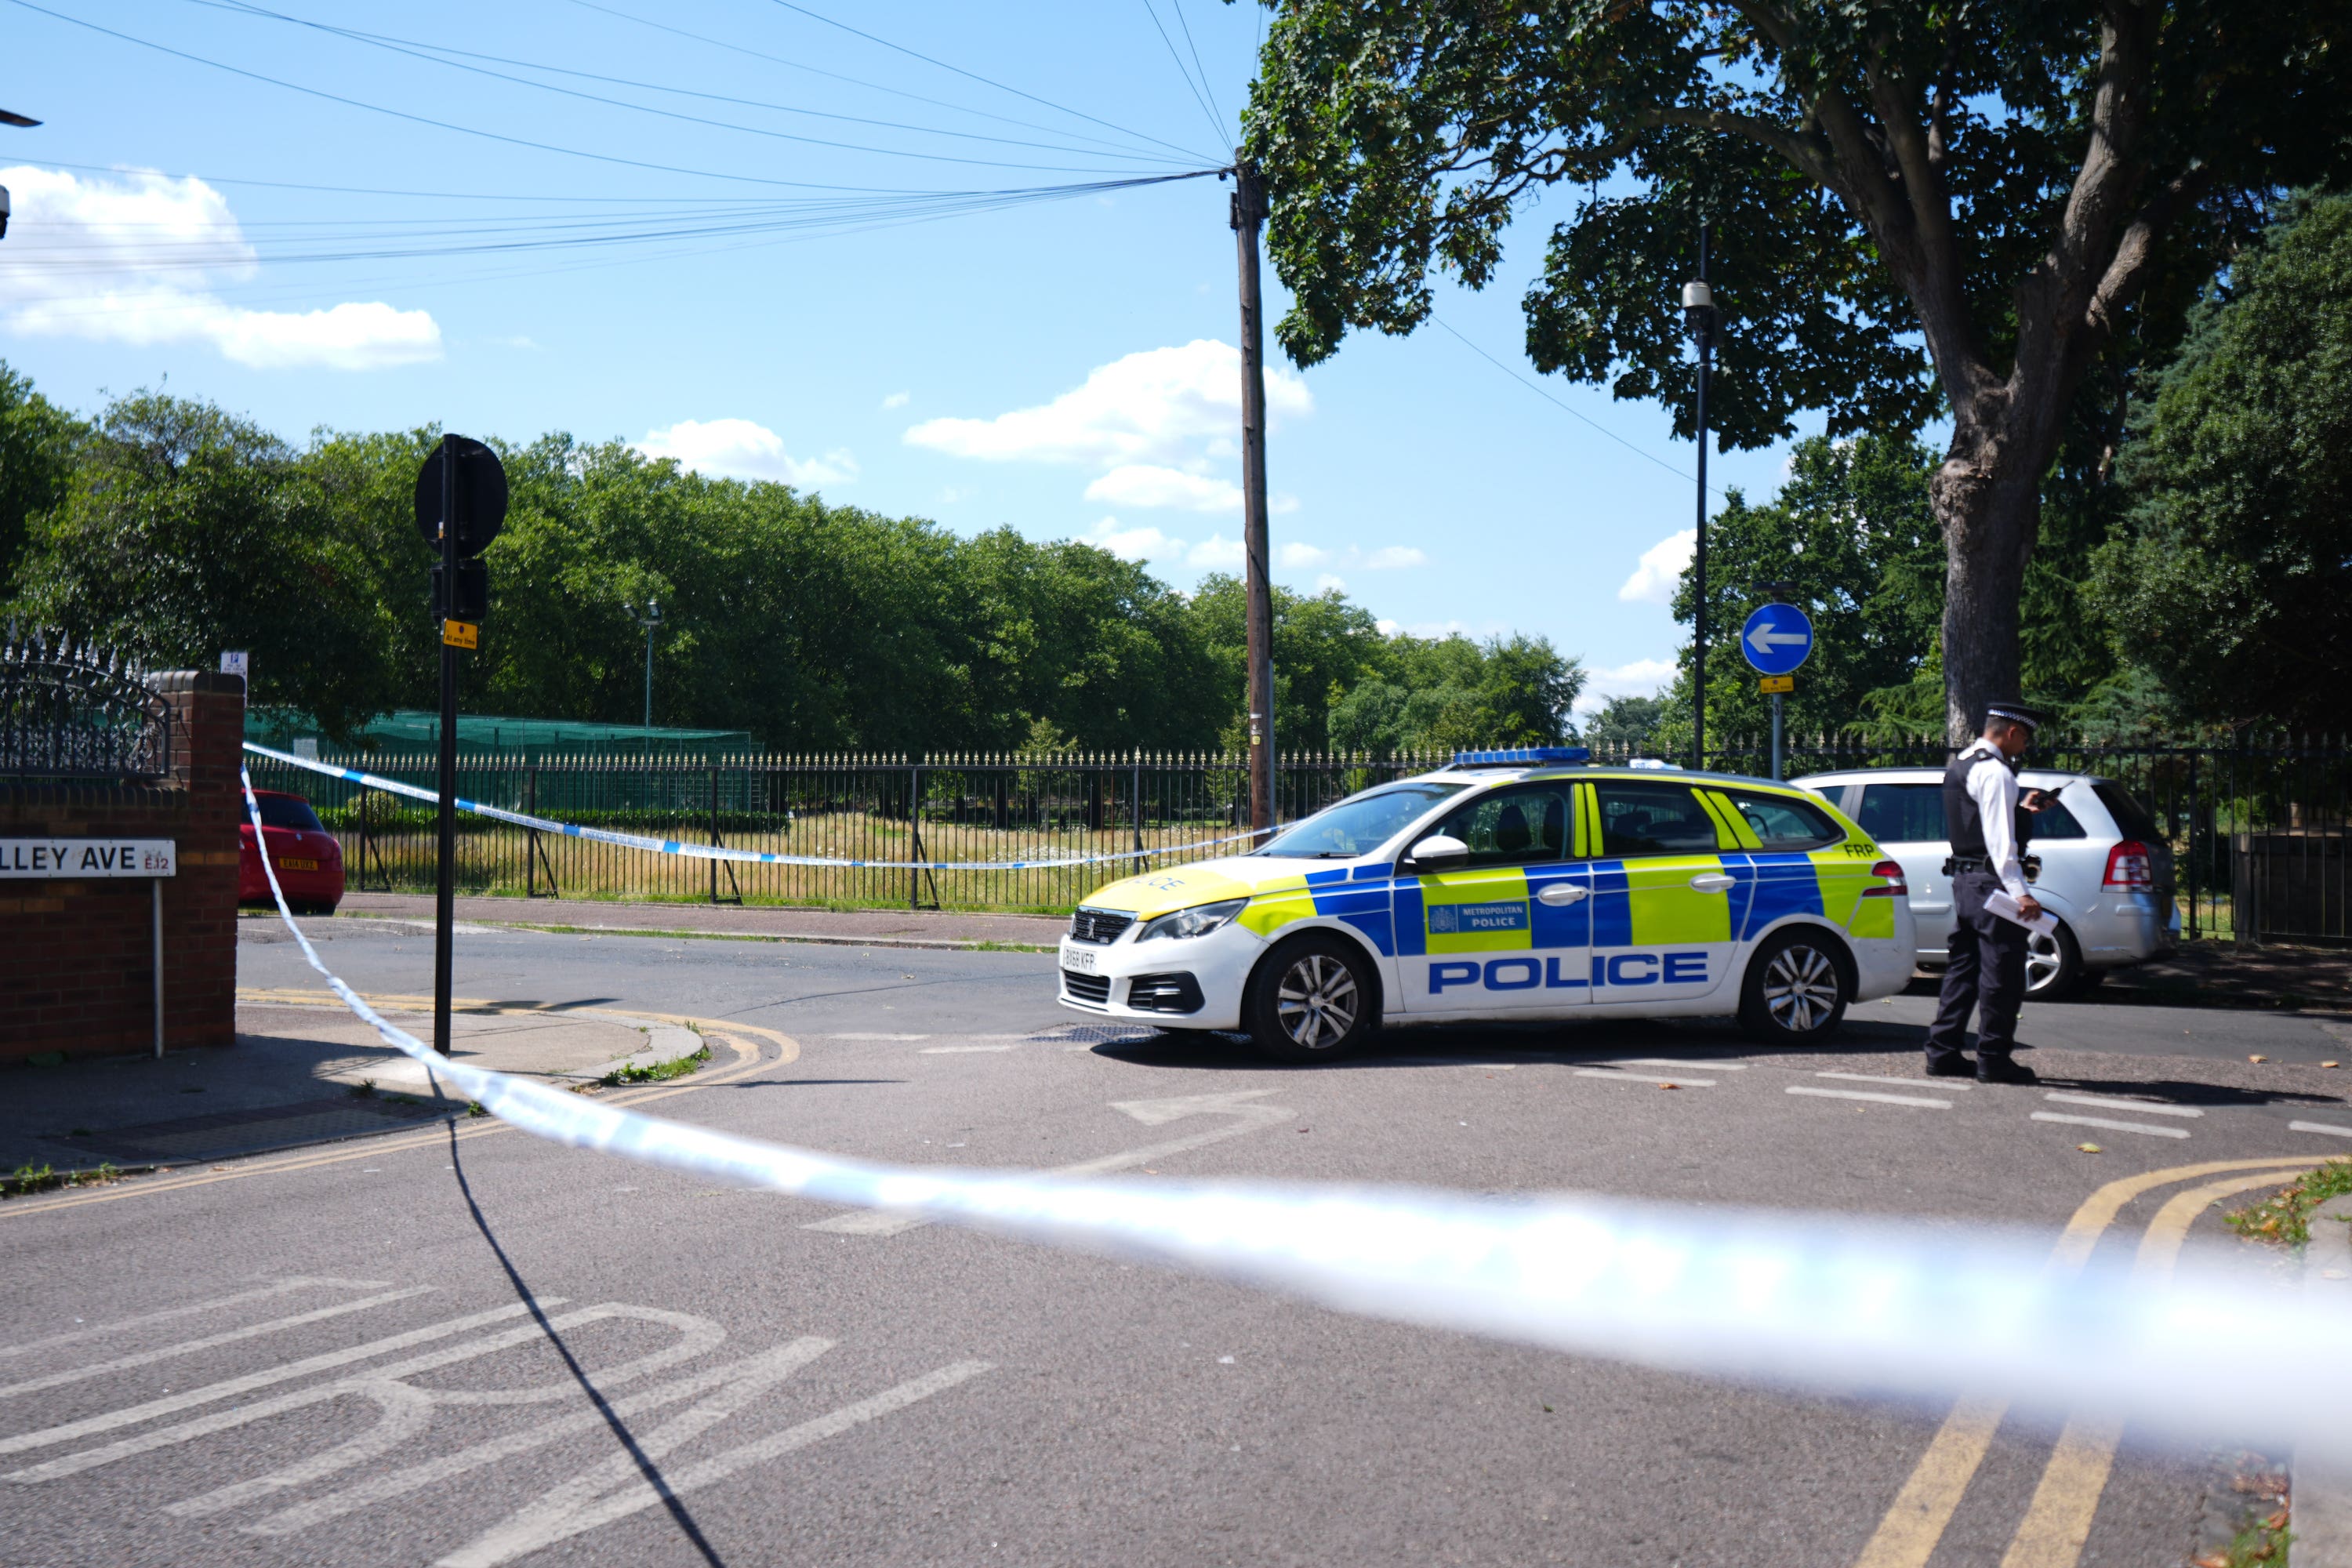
(1439,853)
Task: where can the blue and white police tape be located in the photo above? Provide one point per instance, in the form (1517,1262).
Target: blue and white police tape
(715,851)
(1912,1310)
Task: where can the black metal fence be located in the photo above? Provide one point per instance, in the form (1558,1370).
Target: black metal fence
(77,712)
(2258,827)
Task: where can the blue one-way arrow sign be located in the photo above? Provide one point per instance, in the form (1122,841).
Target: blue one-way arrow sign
(1776,638)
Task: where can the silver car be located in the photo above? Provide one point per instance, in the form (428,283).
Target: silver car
(2104,873)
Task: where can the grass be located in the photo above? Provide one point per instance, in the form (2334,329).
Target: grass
(364,1089)
(659,1072)
(2285,1216)
(28,1179)
(2264,1541)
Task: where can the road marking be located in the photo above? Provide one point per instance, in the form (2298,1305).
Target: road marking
(1249,1117)
(1669,1062)
(764,1371)
(958,1051)
(189,1347)
(2111,1125)
(1915,1523)
(2116,1103)
(132,1416)
(2058,1521)
(262,1293)
(1646,1077)
(2320,1127)
(1871,1095)
(1875,1078)
(870,1036)
(747,1061)
(617,1488)
(404,1410)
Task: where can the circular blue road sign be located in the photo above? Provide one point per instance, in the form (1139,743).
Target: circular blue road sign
(1776,638)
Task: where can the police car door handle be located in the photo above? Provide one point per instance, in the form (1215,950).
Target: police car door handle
(1559,893)
(1714,882)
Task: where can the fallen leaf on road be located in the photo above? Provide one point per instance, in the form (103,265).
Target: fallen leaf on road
(1670,1086)
(2090,1148)
(1306,1130)
(2331,1064)
(2258,1058)
(2276,1520)
(2211,1560)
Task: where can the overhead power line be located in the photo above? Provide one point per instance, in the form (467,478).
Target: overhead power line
(432,54)
(975,76)
(451,125)
(1206,113)
(745,49)
(1218,110)
(1574,413)
(380,191)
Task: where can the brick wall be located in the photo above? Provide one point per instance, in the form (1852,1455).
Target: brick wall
(77,970)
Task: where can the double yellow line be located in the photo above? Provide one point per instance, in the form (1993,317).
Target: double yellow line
(742,1042)
(2058,1521)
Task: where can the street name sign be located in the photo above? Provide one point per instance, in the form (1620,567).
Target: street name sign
(72,859)
(1776,638)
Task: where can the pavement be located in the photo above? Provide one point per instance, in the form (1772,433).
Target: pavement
(382,1350)
(303,1070)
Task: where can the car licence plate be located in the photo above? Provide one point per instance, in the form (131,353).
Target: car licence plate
(297,865)
(1077,960)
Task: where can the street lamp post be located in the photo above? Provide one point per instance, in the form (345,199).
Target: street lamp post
(1698,314)
(9,116)
(651,619)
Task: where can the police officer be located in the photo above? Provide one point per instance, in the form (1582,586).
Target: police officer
(1989,824)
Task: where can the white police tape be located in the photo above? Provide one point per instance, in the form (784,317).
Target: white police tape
(1908,1309)
(715,851)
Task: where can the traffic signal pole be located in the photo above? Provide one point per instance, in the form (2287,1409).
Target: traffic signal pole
(445,886)
(1248,211)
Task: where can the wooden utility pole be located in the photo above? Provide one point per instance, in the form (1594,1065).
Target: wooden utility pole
(1249,210)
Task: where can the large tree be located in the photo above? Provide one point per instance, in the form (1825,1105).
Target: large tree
(1963,206)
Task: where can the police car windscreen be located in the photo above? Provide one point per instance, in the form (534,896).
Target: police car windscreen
(1362,824)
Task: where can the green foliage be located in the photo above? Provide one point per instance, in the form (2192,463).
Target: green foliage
(2233,575)
(2285,1216)
(172,530)
(1626,721)
(184,530)
(37,457)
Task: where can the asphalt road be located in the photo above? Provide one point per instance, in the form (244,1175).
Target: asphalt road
(298,1359)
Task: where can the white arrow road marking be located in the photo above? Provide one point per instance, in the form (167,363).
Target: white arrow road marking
(133,1414)
(617,1488)
(261,1293)
(189,1347)
(765,1370)
(1248,1117)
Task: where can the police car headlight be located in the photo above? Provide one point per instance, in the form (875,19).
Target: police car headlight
(1198,920)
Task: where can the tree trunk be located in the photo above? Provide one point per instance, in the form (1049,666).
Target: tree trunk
(1987,500)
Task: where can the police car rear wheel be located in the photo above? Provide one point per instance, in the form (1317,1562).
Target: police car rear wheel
(1795,990)
(1313,1000)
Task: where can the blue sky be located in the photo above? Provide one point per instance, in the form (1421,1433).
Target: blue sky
(1062,366)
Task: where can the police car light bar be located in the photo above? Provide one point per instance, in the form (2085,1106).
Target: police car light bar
(1521,757)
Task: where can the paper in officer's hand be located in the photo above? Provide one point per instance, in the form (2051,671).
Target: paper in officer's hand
(2008,910)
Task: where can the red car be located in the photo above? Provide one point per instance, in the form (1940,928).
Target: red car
(309,861)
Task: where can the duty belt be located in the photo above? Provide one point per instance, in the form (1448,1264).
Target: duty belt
(2029,864)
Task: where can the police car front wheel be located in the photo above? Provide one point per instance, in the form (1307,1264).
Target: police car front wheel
(1313,999)
(1796,989)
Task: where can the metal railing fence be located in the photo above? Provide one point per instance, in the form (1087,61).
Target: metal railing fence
(2259,826)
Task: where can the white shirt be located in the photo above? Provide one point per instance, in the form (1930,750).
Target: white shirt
(1994,789)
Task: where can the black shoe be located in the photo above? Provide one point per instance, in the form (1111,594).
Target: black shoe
(2000,1069)
(1953,1066)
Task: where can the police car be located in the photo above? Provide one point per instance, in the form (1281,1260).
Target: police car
(1509,885)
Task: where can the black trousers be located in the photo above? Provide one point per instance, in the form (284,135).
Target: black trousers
(1987,976)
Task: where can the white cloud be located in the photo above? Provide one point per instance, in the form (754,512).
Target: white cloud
(738,449)
(1216,553)
(1132,544)
(1661,569)
(1331,582)
(897,400)
(135,257)
(1642,678)
(1387,628)
(1390,556)
(1299,557)
(1148,484)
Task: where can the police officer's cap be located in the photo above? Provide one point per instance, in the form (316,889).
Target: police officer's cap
(2015,713)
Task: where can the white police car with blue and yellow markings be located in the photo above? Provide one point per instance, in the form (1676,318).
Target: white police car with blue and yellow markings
(1509,885)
